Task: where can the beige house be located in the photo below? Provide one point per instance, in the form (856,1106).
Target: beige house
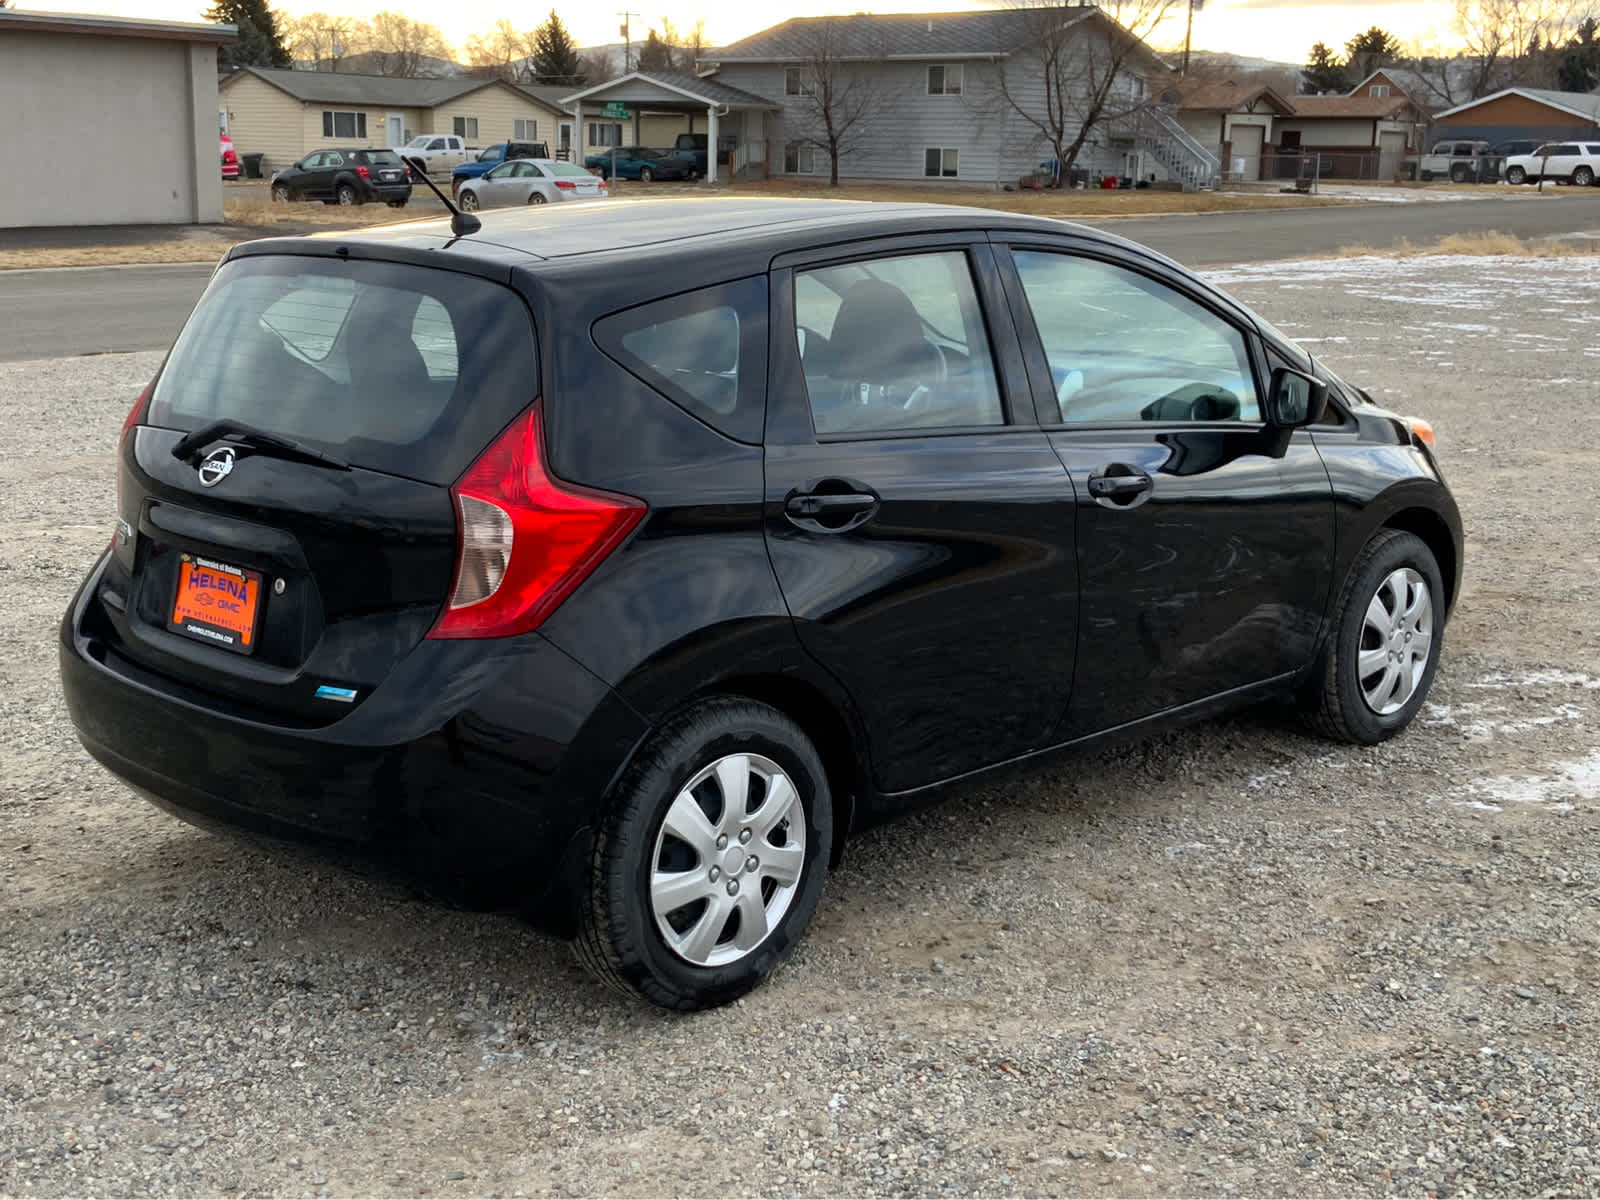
(64,76)
(1234,121)
(284,115)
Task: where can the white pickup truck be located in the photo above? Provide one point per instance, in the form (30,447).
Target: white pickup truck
(440,152)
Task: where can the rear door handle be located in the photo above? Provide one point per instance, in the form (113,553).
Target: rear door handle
(826,510)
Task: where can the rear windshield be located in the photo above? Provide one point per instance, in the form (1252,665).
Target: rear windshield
(383,158)
(400,369)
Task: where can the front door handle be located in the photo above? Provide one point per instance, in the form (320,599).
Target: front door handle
(1119,486)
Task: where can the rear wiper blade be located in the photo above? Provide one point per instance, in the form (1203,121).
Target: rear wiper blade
(258,439)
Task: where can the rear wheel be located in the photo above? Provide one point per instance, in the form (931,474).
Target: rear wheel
(1459,173)
(646,174)
(536,198)
(468,200)
(1583,176)
(1380,659)
(346,196)
(1516,176)
(280,193)
(709,862)
(1427,176)
(397,204)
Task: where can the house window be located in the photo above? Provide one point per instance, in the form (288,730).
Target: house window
(798,159)
(466,127)
(1378,91)
(601,134)
(795,82)
(526,131)
(946,80)
(344,124)
(940,163)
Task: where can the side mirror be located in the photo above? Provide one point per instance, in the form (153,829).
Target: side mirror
(1295,399)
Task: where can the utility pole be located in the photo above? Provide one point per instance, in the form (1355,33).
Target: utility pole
(1194,7)
(627,39)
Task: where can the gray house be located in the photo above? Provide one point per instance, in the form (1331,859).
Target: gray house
(937,96)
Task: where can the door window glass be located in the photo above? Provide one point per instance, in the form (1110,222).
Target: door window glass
(1125,348)
(895,343)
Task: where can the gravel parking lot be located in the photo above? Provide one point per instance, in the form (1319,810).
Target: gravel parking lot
(1235,960)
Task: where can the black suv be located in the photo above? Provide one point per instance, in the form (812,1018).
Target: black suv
(628,593)
(345,176)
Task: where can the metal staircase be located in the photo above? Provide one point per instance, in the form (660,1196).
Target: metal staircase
(1171,145)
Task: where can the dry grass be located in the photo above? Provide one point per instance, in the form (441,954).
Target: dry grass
(1492,242)
(260,212)
(186,251)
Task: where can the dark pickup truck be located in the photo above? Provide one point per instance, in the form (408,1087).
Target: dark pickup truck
(693,146)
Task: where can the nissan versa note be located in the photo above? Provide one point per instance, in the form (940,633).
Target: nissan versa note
(621,562)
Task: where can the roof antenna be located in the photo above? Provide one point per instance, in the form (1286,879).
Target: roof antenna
(461,223)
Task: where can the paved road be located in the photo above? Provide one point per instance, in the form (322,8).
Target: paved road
(45,314)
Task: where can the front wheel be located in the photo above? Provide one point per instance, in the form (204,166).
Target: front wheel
(468,201)
(1583,177)
(646,174)
(1516,176)
(346,196)
(709,863)
(1381,656)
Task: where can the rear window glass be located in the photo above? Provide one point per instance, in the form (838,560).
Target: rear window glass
(383,158)
(396,368)
(705,350)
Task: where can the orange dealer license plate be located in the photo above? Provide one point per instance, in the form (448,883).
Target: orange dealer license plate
(217,603)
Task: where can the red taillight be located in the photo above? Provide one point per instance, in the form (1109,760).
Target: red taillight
(526,539)
(566,185)
(136,413)
(363,172)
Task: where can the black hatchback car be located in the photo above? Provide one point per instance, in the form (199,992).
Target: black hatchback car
(346,176)
(626,561)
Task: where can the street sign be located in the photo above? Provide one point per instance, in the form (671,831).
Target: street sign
(616,112)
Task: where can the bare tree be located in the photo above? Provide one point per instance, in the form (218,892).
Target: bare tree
(323,40)
(500,52)
(837,93)
(597,67)
(403,47)
(1078,69)
(1507,41)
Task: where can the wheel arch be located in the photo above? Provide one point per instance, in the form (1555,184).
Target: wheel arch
(1428,525)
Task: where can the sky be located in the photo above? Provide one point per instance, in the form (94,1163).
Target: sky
(1276,29)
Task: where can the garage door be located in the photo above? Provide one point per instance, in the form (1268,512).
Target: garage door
(1246,151)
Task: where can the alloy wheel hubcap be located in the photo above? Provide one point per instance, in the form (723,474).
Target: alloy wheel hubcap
(1396,637)
(727,860)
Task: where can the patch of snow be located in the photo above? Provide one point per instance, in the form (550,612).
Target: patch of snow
(1566,783)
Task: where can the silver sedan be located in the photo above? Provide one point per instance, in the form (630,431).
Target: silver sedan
(530,181)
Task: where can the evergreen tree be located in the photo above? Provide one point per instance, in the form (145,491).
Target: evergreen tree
(1368,51)
(555,56)
(259,45)
(655,55)
(1323,72)
(1580,63)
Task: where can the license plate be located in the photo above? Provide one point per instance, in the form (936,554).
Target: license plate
(386,175)
(217,603)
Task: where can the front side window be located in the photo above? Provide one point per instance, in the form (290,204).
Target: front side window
(940,164)
(946,79)
(895,344)
(1124,348)
(704,350)
(344,124)
(799,159)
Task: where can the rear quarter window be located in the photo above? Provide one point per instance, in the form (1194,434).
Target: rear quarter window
(401,369)
(704,350)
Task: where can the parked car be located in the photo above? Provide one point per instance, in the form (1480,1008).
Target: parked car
(639,162)
(910,498)
(443,152)
(693,147)
(530,181)
(345,176)
(230,158)
(492,156)
(1569,162)
(1460,162)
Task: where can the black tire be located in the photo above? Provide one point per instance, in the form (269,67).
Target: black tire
(536,198)
(467,201)
(1427,176)
(345,196)
(1335,703)
(1583,177)
(646,174)
(1459,173)
(397,204)
(619,939)
(1516,176)
(281,194)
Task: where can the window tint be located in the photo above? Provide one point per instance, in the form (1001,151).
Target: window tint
(895,343)
(394,368)
(704,350)
(1125,348)
(1565,148)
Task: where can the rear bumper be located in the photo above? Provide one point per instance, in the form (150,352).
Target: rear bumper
(388,192)
(481,761)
